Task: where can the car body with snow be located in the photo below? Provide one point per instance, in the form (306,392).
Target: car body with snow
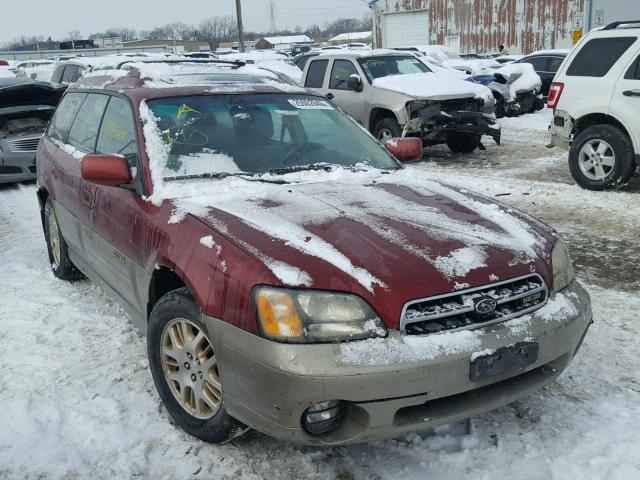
(595,97)
(25,109)
(515,86)
(290,274)
(393,95)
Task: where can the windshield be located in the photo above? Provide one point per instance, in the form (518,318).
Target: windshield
(378,67)
(260,133)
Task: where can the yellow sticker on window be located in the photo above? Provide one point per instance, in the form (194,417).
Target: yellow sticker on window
(185,109)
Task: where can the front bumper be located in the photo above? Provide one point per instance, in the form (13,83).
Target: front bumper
(269,385)
(17,167)
(435,127)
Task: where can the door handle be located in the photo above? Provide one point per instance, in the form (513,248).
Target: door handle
(329,96)
(631,93)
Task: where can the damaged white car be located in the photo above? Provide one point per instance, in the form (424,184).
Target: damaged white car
(395,95)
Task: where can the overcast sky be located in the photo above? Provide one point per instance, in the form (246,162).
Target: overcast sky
(58,18)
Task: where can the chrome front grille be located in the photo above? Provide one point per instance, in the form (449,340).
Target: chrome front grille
(24,144)
(460,310)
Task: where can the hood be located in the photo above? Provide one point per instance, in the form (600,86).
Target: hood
(18,92)
(388,238)
(432,86)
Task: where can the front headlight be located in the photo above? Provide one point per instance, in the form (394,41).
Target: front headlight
(310,316)
(563,273)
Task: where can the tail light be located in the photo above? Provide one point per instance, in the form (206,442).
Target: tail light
(4,63)
(555,91)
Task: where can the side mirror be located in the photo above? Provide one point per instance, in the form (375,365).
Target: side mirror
(108,170)
(354,82)
(407,149)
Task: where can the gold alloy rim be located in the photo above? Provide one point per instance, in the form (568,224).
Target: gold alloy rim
(190,368)
(54,237)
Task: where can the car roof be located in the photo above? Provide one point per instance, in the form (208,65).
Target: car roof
(563,52)
(366,53)
(158,79)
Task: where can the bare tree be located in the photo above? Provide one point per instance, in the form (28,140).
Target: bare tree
(217,29)
(74,35)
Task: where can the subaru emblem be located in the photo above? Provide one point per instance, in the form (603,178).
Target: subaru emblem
(485,305)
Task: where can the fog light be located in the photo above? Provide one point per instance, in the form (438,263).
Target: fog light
(323,417)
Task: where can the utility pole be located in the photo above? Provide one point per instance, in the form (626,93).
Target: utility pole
(273,29)
(240,30)
(372,7)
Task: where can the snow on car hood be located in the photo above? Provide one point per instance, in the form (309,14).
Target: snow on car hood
(432,86)
(521,77)
(367,230)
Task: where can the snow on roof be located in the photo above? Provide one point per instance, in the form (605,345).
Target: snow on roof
(556,51)
(351,36)
(288,39)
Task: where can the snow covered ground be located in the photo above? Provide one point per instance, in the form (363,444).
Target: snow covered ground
(77,399)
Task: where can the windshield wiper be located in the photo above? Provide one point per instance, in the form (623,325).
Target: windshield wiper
(249,177)
(301,168)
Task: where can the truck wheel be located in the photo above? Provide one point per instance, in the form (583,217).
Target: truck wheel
(499,108)
(386,129)
(185,369)
(463,142)
(601,157)
(61,266)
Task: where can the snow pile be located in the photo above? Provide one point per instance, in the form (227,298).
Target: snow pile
(202,162)
(521,77)
(460,262)
(207,242)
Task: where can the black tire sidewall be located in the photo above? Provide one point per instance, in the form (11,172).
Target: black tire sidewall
(463,142)
(66,269)
(624,166)
(390,124)
(179,304)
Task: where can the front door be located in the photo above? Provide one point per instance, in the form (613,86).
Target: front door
(350,101)
(625,103)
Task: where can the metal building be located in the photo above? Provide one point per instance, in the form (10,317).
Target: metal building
(479,26)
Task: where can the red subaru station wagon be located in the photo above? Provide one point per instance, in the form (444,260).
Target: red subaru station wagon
(290,274)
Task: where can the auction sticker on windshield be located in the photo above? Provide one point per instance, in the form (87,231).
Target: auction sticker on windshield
(310,104)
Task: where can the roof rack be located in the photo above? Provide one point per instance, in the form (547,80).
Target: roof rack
(614,25)
(232,63)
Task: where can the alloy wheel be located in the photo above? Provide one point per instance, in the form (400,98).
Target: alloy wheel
(54,237)
(385,136)
(596,160)
(190,368)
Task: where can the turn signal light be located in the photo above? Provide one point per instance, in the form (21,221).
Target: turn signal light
(278,314)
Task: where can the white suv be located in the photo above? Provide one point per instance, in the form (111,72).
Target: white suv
(596,100)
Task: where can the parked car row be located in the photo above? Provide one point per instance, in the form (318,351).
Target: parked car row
(290,274)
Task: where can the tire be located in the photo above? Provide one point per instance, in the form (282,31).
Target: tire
(61,265)
(601,157)
(463,142)
(499,108)
(387,127)
(175,316)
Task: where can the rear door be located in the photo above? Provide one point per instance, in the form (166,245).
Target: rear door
(350,101)
(541,64)
(316,72)
(625,103)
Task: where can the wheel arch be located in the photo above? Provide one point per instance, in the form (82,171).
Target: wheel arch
(42,195)
(601,119)
(163,281)
(377,114)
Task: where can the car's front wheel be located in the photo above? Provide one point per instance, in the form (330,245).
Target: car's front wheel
(463,142)
(387,129)
(61,265)
(601,157)
(185,369)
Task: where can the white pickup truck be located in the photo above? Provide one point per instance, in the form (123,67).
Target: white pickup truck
(393,94)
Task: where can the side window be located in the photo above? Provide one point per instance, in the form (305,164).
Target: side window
(57,74)
(65,114)
(539,63)
(554,64)
(598,56)
(634,71)
(340,73)
(84,131)
(70,74)
(118,132)
(315,74)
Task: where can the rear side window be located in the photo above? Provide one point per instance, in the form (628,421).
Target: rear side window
(84,132)
(634,71)
(65,115)
(598,56)
(57,74)
(70,74)
(315,74)
(554,64)
(118,132)
(539,63)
